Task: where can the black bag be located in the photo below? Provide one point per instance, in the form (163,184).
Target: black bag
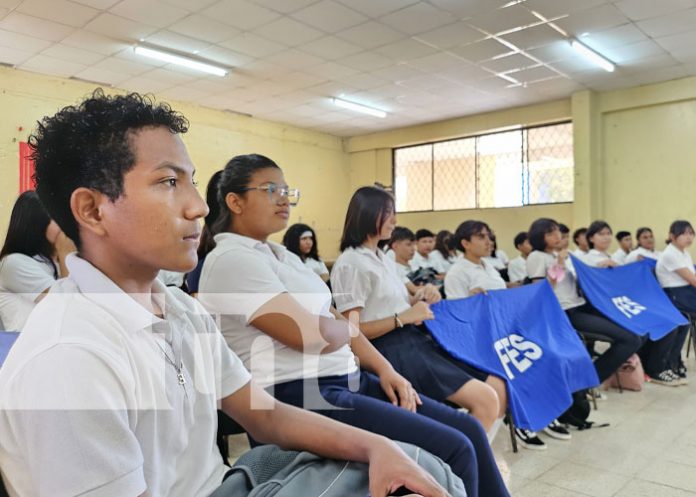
(578,412)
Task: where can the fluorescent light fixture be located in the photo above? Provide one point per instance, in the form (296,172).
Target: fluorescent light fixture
(592,56)
(359,108)
(180,61)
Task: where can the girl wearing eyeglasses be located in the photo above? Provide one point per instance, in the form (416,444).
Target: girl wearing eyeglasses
(276,314)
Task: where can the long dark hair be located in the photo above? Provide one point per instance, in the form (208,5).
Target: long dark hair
(680,227)
(443,243)
(538,230)
(234,178)
(291,240)
(367,211)
(26,233)
(207,242)
(595,228)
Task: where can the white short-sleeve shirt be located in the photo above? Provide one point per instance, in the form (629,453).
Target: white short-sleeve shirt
(517,269)
(500,261)
(90,405)
(367,279)
(670,260)
(441,262)
(580,254)
(594,257)
(22,280)
(642,252)
(619,257)
(317,266)
(465,275)
(431,260)
(403,271)
(538,264)
(239,276)
(171,278)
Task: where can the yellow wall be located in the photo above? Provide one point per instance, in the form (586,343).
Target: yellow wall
(312,161)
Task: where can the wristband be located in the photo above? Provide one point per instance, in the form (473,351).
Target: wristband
(397,321)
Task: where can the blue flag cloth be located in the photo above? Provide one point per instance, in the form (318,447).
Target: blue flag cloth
(631,297)
(523,336)
(7,340)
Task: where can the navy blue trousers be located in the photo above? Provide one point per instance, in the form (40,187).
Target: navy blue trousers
(453,436)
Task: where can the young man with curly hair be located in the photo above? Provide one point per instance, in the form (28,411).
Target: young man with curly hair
(112,388)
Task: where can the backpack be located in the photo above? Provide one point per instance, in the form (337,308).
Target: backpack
(578,412)
(268,471)
(630,374)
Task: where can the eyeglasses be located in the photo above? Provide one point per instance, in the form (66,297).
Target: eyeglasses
(292,194)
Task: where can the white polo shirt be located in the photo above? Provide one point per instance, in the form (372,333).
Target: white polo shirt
(580,254)
(465,275)
(22,280)
(645,253)
(89,404)
(538,264)
(431,260)
(619,257)
(594,257)
(367,279)
(444,263)
(500,261)
(317,266)
(670,260)
(517,269)
(239,276)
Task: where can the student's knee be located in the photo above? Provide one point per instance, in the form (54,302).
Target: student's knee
(480,399)
(498,385)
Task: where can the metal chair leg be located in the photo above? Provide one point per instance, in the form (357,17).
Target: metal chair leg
(511,426)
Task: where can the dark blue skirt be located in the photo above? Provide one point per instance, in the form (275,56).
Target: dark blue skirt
(683,298)
(418,358)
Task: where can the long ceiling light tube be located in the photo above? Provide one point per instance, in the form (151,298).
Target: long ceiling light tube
(180,61)
(592,56)
(345,104)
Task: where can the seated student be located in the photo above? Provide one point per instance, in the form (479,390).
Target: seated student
(112,388)
(207,243)
(645,248)
(367,288)
(581,243)
(401,249)
(472,275)
(517,268)
(301,240)
(599,237)
(547,262)
(497,258)
(444,254)
(565,236)
(675,272)
(424,258)
(31,259)
(276,315)
(625,247)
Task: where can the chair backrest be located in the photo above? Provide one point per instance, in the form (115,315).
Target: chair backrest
(7,340)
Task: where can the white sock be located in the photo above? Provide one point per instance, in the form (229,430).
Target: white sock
(494,429)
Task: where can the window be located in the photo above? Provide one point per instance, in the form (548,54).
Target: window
(506,169)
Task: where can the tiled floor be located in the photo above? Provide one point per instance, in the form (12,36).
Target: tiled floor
(649,450)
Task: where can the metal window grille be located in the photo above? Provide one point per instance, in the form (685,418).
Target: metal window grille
(506,169)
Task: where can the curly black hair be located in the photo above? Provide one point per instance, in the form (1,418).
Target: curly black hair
(88,145)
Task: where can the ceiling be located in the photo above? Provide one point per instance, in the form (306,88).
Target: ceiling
(420,61)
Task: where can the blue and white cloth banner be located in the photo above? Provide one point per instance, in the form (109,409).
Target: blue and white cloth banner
(523,336)
(631,297)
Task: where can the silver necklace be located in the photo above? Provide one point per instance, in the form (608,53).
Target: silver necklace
(179,369)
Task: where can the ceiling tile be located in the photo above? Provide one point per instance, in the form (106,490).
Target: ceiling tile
(434,62)
(225,56)
(407,49)
(677,41)
(634,51)
(22,42)
(152,12)
(100,76)
(13,56)
(481,50)
(182,93)
(366,61)
(188,5)
(457,33)
(574,65)
(97,4)
(210,86)
(592,20)
(330,47)
(294,59)
(554,8)
(330,16)
(663,74)
(285,6)
(639,10)
(240,14)
(204,28)
(331,70)
(365,81)
(614,37)
(95,42)
(253,45)
(648,64)
(557,50)
(466,10)
(534,74)
(464,72)
(299,79)
(39,28)
(533,37)
(72,54)
(60,11)
(371,34)
(123,66)
(503,19)
(171,77)
(397,72)
(418,18)
(669,24)
(262,69)
(143,85)
(119,28)
(289,32)
(686,55)
(177,42)
(374,9)
(514,61)
(49,65)
(332,88)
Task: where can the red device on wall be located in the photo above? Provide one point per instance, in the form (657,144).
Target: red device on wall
(26,168)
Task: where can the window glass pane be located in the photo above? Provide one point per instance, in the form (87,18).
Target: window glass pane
(413,178)
(550,164)
(455,174)
(500,169)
